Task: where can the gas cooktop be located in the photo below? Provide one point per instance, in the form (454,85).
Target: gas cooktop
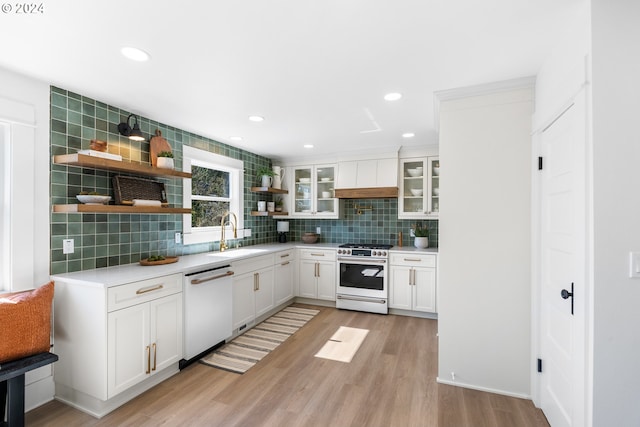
(365,246)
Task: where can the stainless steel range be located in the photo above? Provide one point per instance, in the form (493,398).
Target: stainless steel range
(362,277)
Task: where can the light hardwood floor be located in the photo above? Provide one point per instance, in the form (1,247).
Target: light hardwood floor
(391,381)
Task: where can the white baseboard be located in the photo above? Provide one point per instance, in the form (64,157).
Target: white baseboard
(38,393)
(485,389)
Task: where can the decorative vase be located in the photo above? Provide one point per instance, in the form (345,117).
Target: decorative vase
(165,162)
(421,242)
(266,181)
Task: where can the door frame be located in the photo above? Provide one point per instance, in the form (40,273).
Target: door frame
(536,256)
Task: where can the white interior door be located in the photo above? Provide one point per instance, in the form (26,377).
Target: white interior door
(563,263)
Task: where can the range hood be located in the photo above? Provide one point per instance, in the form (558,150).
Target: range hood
(367,193)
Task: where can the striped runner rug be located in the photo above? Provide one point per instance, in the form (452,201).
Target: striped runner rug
(249,348)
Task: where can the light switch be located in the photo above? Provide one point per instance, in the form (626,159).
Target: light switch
(634,265)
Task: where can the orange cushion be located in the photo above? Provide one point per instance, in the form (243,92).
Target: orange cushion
(25,323)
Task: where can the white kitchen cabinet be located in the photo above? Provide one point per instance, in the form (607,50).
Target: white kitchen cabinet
(142,340)
(253,289)
(419,196)
(412,282)
(283,269)
(317,274)
(367,173)
(115,342)
(312,192)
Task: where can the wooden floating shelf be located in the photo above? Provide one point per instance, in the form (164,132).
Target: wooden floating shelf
(79,208)
(268,190)
(82,160)
(263,213)
(367,193)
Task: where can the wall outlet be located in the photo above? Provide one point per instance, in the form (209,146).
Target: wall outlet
(247,232)
(318,231)
(178,237)
(411,233)
(67,246)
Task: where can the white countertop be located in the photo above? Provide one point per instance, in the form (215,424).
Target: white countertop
(119,275)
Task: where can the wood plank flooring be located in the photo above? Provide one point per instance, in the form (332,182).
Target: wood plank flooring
(391,381)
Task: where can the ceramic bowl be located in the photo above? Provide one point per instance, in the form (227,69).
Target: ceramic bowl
(416,191)
(414,172)
(309,237)
(305,180)
(436,170)
(326,194)
(436,191)
(90,199)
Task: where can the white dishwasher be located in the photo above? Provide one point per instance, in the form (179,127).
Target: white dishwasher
(207,311)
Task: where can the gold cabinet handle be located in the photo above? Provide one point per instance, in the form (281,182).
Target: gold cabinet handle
(148,360)
(317,254)
(258,280)
(206,279)
(255,282)
(412,260)
(284,256)
(155,356)
(151,289)
(286,263)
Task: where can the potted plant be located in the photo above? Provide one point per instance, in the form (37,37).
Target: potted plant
(265,174)
(279,204)
(165,160)
(421,236)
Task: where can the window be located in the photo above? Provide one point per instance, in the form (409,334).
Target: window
(216,187)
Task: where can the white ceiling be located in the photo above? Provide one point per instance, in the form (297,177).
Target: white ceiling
(316,70)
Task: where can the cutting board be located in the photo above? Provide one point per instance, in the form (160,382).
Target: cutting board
(167,260)
(157,145)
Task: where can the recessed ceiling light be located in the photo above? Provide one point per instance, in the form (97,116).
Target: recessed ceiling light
(393,96)
(235,138)
(135,54)
(408,135)
(256,118)
(308,145)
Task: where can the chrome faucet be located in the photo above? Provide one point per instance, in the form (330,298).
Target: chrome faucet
(234,225)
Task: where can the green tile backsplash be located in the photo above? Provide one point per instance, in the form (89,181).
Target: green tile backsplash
(103,240)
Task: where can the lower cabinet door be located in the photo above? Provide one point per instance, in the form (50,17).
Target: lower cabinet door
(424,297)
(308,281)
(283,286)
(166,331)
(327,280)
(129,348)
(264,291)
(244,310)
(400,289)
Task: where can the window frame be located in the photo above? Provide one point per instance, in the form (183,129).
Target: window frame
(235,168)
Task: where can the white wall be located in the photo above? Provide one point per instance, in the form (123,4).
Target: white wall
(24,102)
(484,254)
(616,205)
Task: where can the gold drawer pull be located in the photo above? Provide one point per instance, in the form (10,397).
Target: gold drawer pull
(286,263)
(151,289)
(317,254)
(412,260)
(284,256)
(155,356)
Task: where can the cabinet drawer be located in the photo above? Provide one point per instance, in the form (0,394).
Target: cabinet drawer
(252,264)
(284,256)
(145,290)
(413,259)
(318,254)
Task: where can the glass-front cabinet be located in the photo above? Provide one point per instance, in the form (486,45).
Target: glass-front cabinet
(313,192)
(419,196)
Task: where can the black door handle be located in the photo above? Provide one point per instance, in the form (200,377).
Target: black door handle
(566,294)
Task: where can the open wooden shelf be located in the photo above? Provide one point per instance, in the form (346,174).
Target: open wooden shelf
(80,208)
(93,162)
(268,190)
(266,213)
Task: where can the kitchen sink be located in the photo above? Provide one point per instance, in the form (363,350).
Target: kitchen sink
(236,253)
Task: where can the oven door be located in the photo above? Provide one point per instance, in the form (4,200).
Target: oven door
(362,277)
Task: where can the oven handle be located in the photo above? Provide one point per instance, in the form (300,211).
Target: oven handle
(364,262)
(206,279)
(377,301)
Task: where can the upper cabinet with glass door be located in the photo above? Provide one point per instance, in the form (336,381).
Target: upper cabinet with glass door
(419,196)
(314,193)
